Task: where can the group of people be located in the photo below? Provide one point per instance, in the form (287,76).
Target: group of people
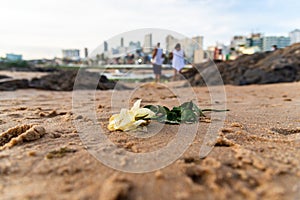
(177,61)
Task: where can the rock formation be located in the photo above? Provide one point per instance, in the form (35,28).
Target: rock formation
(282,65)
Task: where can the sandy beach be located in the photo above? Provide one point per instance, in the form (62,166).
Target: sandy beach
(254,156)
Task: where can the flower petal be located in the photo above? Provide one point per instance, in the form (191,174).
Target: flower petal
(129,119)
(144,112)
(136,105)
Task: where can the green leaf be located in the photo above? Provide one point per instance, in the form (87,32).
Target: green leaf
(189,116)
(187,112)
(177,110)
(172,116)
(152,108)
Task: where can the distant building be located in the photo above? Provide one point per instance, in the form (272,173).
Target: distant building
(198,56)
(71,54)
(255,40)
(171,42)
(134,46)
(105,46)
(210,52)
(86,52)
(221,52)
(188,46)
(199,41)
(122,42)
(193,48)
(147,47)
(238,41)
(115,51)
(295,36)
(270,41)
(13,57)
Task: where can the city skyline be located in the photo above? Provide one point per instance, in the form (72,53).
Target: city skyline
(122,46)
(38,29)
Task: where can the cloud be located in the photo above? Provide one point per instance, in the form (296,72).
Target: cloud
(78,24)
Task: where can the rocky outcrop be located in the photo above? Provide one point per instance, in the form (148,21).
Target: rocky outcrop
(282,65)
(4,76)
(12,85)
(63,81)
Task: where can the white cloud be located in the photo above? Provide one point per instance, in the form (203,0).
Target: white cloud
(31,27)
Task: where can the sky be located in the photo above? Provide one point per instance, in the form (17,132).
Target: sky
(42,28)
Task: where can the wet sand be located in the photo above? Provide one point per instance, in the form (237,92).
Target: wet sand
(255,156)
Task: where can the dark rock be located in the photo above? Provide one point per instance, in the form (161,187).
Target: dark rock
(4,76)
(14,84)
(65,81)
(282,65)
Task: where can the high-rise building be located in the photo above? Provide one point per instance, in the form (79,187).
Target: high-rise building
(134,46)
(199,41)
(170,43)
(198,56)
(71,54)
(86,52)
(193,48)
(255,40)
(270,41)
(147,47)
(122,42)
(190,46)
(295,36)
(105,46)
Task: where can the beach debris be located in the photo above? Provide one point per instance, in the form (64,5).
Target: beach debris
(20,134)
(60,152)
(187,112)
(286,131)
(130,119)
(52,113)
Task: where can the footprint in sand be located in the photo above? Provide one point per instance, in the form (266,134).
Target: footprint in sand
(20,134)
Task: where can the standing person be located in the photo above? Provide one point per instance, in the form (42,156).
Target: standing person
(178,60)
(157,58)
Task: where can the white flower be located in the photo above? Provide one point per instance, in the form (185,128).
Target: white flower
(130,119)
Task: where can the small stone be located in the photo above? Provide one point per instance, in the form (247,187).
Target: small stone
(227,130)
(54,135)
(101,106)
(134,149)
(79,117)
(236,124)
(31,153)
(159,175)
